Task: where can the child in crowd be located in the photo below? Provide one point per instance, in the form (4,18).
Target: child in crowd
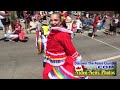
(18,26)
(45,28)
(74,27)
(11,34)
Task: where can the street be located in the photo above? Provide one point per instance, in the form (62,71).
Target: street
(20,60)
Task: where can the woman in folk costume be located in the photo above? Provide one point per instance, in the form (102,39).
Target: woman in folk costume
(39,43)
(60,53)
(38,33)
(68,22)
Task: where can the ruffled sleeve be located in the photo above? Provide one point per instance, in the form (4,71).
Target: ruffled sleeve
(65,40)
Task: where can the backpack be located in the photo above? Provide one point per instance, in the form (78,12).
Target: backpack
(21,36)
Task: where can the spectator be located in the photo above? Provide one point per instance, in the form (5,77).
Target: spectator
(95,25)
(18,27)
(68,22)
(112,26)
(4,16)
(45,28)
(10,34)
(79,25)
(74,27)
(107,23)
(28,18)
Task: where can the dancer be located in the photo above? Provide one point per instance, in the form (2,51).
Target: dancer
(60,53)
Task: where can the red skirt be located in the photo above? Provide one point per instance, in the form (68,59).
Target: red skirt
(65,71)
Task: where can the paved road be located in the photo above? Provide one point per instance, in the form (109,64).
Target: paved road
(102,47)
(20,60)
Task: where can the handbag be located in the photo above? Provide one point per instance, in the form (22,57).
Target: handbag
(21,36)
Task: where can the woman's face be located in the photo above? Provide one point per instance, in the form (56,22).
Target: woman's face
(55,20)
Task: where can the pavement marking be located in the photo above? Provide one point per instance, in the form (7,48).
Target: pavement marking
(108,59)
(102,42)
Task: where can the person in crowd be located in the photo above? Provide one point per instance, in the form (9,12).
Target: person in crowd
(68,22)
(79,25)
(95,25)
(19,14)
(112,26)
(45,28)
(74,27)
(116,25)
(107,23)
(11,34)
(38,27)
(18,26)
(28,18)
(4,17)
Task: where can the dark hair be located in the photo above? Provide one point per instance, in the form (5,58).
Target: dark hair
(63,23)
(58,14)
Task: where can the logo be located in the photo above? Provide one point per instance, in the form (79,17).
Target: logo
(95,68)
(78,66)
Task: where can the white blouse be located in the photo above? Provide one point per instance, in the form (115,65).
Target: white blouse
(1,17)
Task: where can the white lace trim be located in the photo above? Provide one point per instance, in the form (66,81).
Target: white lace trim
(55,54)
(79,58)
(56,64)
(62,29)
(51,77)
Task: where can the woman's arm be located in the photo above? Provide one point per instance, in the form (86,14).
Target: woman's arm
(4,14)
(67,44)
(12,30)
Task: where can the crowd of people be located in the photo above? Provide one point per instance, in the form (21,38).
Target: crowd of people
(54,31)
(82,22)
(13,30)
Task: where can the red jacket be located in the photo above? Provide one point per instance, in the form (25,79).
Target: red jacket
(95,21)
(59,46)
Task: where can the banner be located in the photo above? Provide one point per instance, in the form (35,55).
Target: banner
(95,68)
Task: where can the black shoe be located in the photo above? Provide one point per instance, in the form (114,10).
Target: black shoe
(44,63)
(6,39)
(96,35)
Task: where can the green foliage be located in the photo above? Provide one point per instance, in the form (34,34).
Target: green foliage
(13,15)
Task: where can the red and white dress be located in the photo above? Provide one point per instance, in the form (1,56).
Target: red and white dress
(60,55)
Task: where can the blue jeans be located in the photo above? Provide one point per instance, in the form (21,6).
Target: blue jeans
(102,25)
